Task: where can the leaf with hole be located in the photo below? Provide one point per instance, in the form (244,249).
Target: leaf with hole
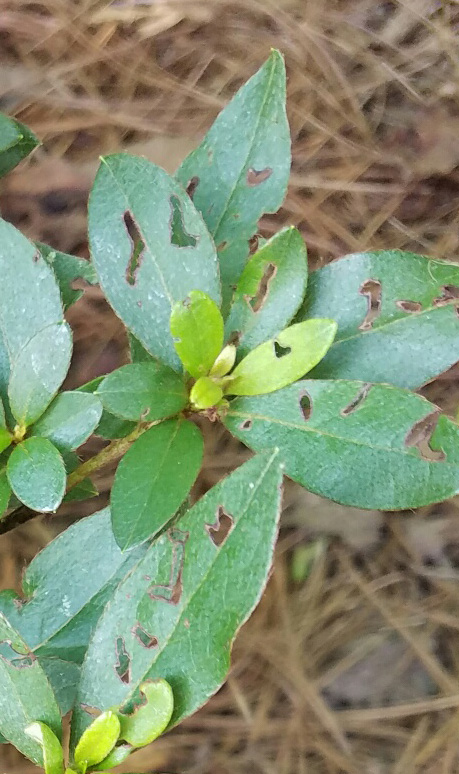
(143,391)
(196,586)
(16,142)
(150,248)
(276,363)
(269,291)
(36,474)
(29,300)
(397,316)
(38,371)
(70,419)
(153,479)
(151,718)
(241,169)
(22,677)
(68,268)
(369,446)
(64,597)
(197,329)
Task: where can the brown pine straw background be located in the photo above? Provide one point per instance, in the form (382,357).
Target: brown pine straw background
(356,668)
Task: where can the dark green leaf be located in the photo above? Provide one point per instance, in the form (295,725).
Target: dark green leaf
(85,489)
(25,694)
(63,677)
(143,267)
(29,297)
(153,479)
(68,268)
(176,615)
(396,313)
(283,360)
(241,169)
(109,427)
(370,446)
(137,351)
(5,491)
(269,292)
(36,474)
(16,142)
(69,420)
(197,327)
(146,391)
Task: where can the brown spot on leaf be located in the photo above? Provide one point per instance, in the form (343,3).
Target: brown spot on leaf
(143,637)
(123,661)
(246,425)
(305,405)
(172,592)
(253,244)
(192,185)
(420,436)
(372,290)
(262,293)
(179,235)
(356,402)
(235,338)
(257,176)
(137,248)
(219,531)
(449,293)
(409,306)
(222,246)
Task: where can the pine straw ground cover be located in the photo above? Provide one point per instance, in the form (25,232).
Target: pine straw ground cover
(356,668)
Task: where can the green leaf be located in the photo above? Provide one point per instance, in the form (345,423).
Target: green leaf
(53,754)
(98,740)
(151,718)
(5,491)
(197,327)
(176,615)
(269,291)
(241,169)
(147,391)
(137,351)
(110,426)
(68,268)
(36,474)
(396,313)
(16,142)
(205,393)
(29,298)
(283,360)
(153,479)
(64,597)
(85,489)
(369,446)
(118,755)
(25,694)
(70,419)
(38,371)
(143,266)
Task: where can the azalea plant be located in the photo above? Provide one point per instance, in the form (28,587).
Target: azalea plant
(126,620)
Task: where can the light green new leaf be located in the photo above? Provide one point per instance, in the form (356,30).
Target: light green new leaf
(25,694)
(16,142)
(29,297)
(64,598)
(53,754)
(176,615)
(152,717)
(283,360)
(36,474)
(396,313)
(197,328)
(241,169)
(98,740)
(70,419)
(147,391)
(153,479)
(269,291)
(369,446)
(150,247)
(38,371)
(68,268)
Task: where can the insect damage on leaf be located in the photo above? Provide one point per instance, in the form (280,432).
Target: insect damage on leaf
(179,235)
(172,592)
(143,637)
(411,307)
(221,528)
(372,290)
(257,176)
(356,402)
(123,661)
(420,437)
(138,248)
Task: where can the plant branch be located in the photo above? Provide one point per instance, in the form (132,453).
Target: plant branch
(112,452)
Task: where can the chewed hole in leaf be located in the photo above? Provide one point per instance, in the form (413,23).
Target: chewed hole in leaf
(253,244)
(144,638)
(356,402)
(448,293)
(305,405)
(222,246)
(123,661)
(372,290)
(235,338)
(172,591)
(262,293)
(192,185)
(219,531)
(246,425)
(420,437)
(137,248)
(409,306)
(257,176)
(179,235)
(281,351)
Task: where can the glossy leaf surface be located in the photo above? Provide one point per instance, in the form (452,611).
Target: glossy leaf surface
(36,474)
(147,391)
(197,329)
(70,419)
